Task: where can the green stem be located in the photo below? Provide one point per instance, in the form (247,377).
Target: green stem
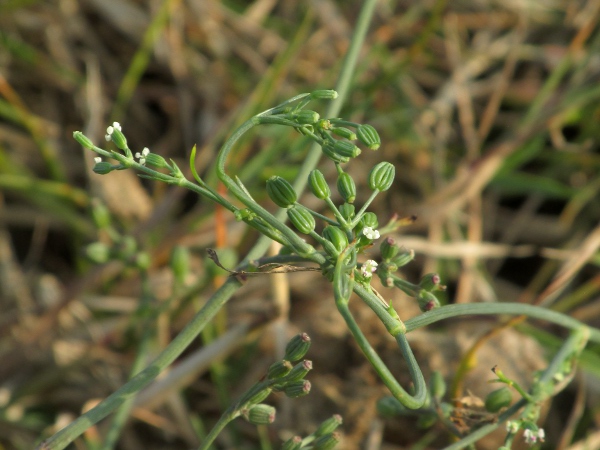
(360,213)
(513,309)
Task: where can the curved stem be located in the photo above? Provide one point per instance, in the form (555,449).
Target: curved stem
(536,312)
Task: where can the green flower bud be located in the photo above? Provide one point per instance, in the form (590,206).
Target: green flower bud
(127,247)
(336,236)
(244,215)
(346,133)
(297,389)
(381,176)
(324,124)
(306,117)
(329,425)
(301,218)
(324,94)
(293,443)
(498,399)
(330,152)
(347,211)
(279,369)
(389,249)
(281,192)
(318,185)
(83,140)
(368,136)
(260,414)
(180,263)
(437,385)
(346,187)
(152,159)
(327,441)
(102,168)
(346,149)
(430,281)
(299,371)
(297,347)
(118,138)
(97,252)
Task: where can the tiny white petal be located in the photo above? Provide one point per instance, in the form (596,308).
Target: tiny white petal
(109,130)
(541,434)
(138,155)
(107,137)
(117,125)
(145,151)
(98,159)
(142,161)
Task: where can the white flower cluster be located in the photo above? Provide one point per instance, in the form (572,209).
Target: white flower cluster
(531,437)
(109,130)
(370,233)
(368,268)
(142,156)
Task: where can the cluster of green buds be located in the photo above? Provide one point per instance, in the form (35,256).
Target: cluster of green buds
(393,257)
(282,376)
(324,438)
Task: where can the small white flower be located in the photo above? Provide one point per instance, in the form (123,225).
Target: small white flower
(109,132)
(117,126)
(512,426)
(98,159)
(531,437)
(370,233)
(368,268)
(142,156)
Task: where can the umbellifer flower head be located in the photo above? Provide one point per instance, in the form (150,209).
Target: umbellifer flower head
(368,268)
(370,233)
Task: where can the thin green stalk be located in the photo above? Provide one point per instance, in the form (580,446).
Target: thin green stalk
(65,436)
(513,309)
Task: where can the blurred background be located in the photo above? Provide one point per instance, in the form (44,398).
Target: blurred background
(488,109)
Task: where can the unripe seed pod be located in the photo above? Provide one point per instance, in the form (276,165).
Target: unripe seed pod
(330,152)
(404,258)
(155,160)
(347,211)
(261,414)
(498,399)
(279,369)
(301,218)
(297,347)
(100,214)
(329,425)
(368,219)
(344,286)
(98,252)
(293,443)
(83,140)
(299,371)
(180,263)
(388,249)
(119,139)
(255,395)
(346,149)
(297,389)
(346,133)
(430,281)
(327,441)
(368,136)
(318,185)
(390,407)
(336,236)
(306,117)
(102,168)
(346,187)
(427,301)
(382,176)
(281,192)
(324,94)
